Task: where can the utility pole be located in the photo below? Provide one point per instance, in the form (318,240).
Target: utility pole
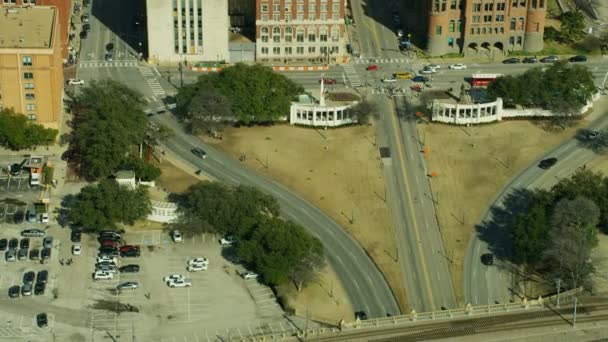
(559,281)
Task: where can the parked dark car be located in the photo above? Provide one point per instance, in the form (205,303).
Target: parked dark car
(578,58)
(13,244)
(129,269)
(132,253)
(511,61)
(42,320)
(110,237)
(45,254)
(110,243)
(39,289)
(110,47)
(111,233)
(34,254)
(108,250)
(33,232)
(127,248)
(3,244)
(487,259)
(549,59)
(76,236)
(547,163)
(15,169)
(24,243)
(42,276)
(22,254)
(86,27)
(18,217)
(29,277)
(14,291)
(83,34)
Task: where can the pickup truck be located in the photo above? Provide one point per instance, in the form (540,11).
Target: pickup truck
(179,282)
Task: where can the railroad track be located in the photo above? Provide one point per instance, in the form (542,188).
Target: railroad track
(500,323)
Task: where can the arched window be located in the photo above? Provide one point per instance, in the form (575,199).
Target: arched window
(513,23)
(288,34)
(264,34)
(521,24)
(460,25)
(451,26)
(276,34)
(323,34)
(335,33)
(300,35)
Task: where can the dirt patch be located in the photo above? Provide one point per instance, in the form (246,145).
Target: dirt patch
(177,176)
(338,170)
(472,165)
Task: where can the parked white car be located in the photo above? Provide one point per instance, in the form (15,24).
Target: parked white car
(105,258)
(179,283)
(198,261)
(389,80)
(227,241)
(173,277)
(458,66)
(197,267)
(100,275)
(129,285)
(76,250)
(44,218)
(75,81)
(176,236)
(249,275)
(433,66)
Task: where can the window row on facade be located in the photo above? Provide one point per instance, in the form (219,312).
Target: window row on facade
(312,34)
(287,17)
(312,7)
(187,38)
(468,112)
(299,50)
(484,6)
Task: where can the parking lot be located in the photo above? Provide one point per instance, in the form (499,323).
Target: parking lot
(17,183)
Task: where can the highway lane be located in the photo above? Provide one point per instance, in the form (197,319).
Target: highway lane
(365,285)
(484,284)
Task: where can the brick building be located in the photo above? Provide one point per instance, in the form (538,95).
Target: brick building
(484,26)
(31,67)
(65,12)
(300,31)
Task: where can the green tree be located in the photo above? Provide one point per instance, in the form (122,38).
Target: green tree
(143,171)
(102,206)
(109,121)
(210,105)
(529,230)
(17,132)
(572,26)
(588,184)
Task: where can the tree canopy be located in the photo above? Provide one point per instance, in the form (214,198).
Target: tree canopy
(102,206)
(277,249)
(562,88)
(572,26)
(109,121)
(17,132)
(247,93)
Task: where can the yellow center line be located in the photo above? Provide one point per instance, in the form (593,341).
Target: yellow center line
(427,280)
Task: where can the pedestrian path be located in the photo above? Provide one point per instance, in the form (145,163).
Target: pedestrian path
(382,60)
(149,76)
(101,64)
(352,75)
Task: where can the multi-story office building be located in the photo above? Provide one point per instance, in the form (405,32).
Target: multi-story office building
(187,30)
(65,11)
(471,26)
(31,69)
(300,30)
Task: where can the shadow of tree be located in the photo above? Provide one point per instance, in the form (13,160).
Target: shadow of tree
(593,140)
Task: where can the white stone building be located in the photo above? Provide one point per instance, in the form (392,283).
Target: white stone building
(187,31)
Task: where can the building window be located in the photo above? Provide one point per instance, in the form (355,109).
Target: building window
(453,4)
(514,3)
(264,51)
(513,23)
(476,18)
(436,5)
(438,30)
(323,16)
(335,7)
(322,35)
(521,24)
(288,50)
(276,16)
(522,3)
(324,7)
(476,7)
(335,34)
(489,7)
(28,75)
(300,35)
(264,8)
(300,50)
(311,49)
(519,40)
(500,18)
(30,96)
(30,107)
(288,34)
(323,50)
(276,7)
(287,17)
(500,6)
(460,26)
(276,34)
(27,60)
(276,50)
(472,31)
(487,18)
(512,40)
(502,30)
(451,26)
(300,17)
(31,117)
(444,5)
(264,34)
(300,7)
(311,37)
(264,17)
(335,49)
(29,85)
(335,16)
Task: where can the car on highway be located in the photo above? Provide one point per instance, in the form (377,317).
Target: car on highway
(247,275)
(549,59)
(26,289)
(361,315)
(592,135)
(101,275)
(14,291)
(399,33)
(10,255)
(129,269)
(42,320)
(427,70)
(529,60)
(199,152)
(402,75)
(42,276)
(579,58)
(29,277)
(197,267)
(372,67)
(76,250)
(511,61)
(197,261)
(13,244)
(433,66)
(24,243)
(129,285)
(388,80)
(3,244)
(75,81)
(176,235)
(227,241)
(179,283)
(328,81)
(39,289)
(547,163)
(110,47)
(457,66)
(33,232)
(76,236)
(487,259)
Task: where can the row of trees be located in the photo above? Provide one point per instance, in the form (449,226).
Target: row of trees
(240,93)
(17,132)
(104,205)
(562,88)
(558,230)
(109,124)
(277,249)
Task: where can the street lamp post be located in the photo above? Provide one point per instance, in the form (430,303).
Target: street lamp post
(181,75)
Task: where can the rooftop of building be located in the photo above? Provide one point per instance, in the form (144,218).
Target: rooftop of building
(26,27)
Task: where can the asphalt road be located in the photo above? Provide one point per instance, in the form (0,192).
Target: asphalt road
(365,285)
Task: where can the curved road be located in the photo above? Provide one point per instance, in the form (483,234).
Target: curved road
(365,285)
(483,284)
